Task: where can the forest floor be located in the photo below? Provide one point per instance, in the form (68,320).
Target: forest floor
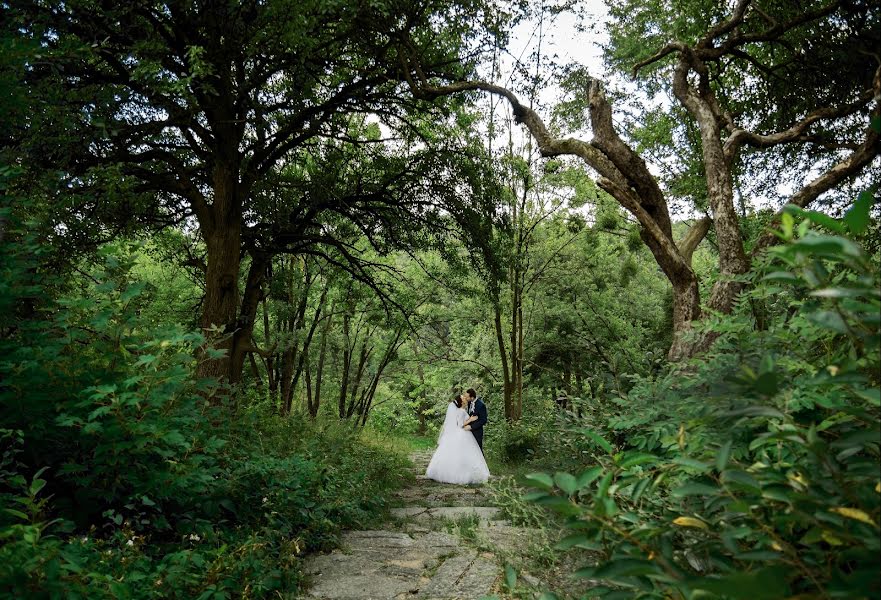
(442,541)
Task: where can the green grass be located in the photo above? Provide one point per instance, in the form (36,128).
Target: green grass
(416,443)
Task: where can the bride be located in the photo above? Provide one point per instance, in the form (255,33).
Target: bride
(458,458)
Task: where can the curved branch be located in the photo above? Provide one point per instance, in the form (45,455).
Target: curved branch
(721,29)
(668,49)
(607,155)
(850,166)
(794,133)
(693,237)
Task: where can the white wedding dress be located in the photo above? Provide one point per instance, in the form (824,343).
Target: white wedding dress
(458,458)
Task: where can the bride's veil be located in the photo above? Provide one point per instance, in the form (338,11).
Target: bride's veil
(449,421)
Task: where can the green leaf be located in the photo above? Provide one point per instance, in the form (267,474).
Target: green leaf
(756,411)
(778,493)
(824,220)
(758,555)
(99,412)
(510,577)
(566,482)
(640,488)
(813,536)
(741,479)
(587,477)
(691,463)
(695,489)
(37,486)
(598,440)
(839,292)
(632,460)
(786,223)
(766,384)
(626,567)
(533,496)
(857,217)
(829,320)
(572,540)
(762,584)
(16,513)
(605,482)
(145,359)
(872,396)
(175,438)
(858,439)
(781,276)
(560,505)
(132,291)
(827,246)
(578,540)
(722,456)
(542,480)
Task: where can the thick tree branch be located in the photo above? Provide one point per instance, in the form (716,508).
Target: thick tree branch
(844,169)
(627,162)
(736,18)
(665,51)
(648,207)
(796,132)
(693,237)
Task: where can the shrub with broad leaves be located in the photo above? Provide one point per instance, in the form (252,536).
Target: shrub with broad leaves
(754,471)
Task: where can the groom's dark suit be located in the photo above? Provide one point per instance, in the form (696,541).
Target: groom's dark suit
(477,407)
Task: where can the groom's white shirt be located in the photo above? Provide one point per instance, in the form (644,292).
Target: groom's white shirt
(471,406)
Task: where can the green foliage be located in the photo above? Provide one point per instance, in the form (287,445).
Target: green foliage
(753,472)
(118,477)
(518,441)
(508,496)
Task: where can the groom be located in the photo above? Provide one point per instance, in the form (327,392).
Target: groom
(477,408)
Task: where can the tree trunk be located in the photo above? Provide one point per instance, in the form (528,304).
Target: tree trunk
(243,337)
(307,343)
(423,400)
(347,364)
(686,309)
(256,371)
(319,372)
(292,352)
(270,359)
(221,303)
(307,377)
(507,387)
(365,353)
(221,225)
(370,392)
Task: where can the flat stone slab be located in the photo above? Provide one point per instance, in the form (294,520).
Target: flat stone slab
(422,513)
(506,537)
(388,564)
(442,495)
(377,539)
(465,576)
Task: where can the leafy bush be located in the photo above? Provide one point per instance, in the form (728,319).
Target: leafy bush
(753,471)
(517,442)
(123,477)
(508,497)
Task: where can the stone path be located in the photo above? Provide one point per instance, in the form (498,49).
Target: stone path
(423,553)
